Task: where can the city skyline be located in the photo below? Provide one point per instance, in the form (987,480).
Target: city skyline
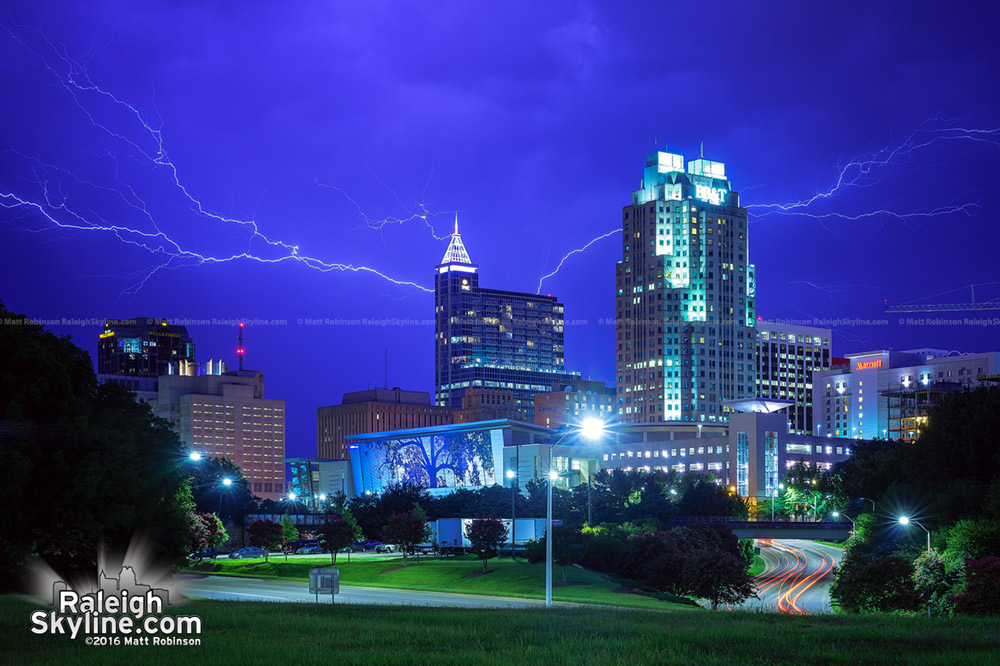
(536,148)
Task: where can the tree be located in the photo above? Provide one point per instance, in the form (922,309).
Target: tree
(486,536)
(83,464)
(407,529)
(872,585)
(717,576)
(569,545)
(289,533)
(974,539)
(264,534)
(707,498)
(339,532)
(982,588)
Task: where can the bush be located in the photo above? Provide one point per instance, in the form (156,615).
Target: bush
(974,539)
(933,579)
(982,588)
(881,584)
(534,550)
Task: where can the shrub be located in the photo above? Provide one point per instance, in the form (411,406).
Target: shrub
(982,588)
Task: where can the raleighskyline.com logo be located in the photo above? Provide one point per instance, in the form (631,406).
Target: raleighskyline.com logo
(120,611)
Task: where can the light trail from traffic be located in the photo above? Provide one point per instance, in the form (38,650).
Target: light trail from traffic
(797,577)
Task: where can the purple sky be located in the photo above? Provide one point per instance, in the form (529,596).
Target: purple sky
(319,120)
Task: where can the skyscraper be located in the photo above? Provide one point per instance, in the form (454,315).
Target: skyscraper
(135,352)
(492,338)
(685,295)
(787,356)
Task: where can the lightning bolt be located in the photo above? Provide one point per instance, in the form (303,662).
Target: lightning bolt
(144,141)
(864,171)
(571,253)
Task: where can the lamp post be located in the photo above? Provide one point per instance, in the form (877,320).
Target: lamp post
(869,500)
(592,429)
(226,483)
(513,517)
(905,521)
(836,514)
(194,456)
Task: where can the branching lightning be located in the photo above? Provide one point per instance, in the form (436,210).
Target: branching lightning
(50,207)
(863,171)
(571,253)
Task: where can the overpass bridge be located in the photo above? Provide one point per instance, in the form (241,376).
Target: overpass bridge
(776,529)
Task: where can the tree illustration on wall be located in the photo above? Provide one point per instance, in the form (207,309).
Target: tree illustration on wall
(438,461)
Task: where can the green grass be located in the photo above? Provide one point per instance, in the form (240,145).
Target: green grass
(506,578)
(758,565)
(250,633)
(835,544)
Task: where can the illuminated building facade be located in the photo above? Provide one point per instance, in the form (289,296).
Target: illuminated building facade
(135,352)
(685,296)
(888,394)
(787,356)
(751,452)
(492,338)
(227,416)
(572,402)
(374,410)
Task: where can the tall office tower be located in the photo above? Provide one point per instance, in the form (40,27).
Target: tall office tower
(226,415)
(135,352)
(685,296)
(787,356)
(374,410)
(571,404)
(491,338)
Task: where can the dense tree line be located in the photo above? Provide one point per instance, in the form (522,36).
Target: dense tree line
(949,481)
(84,465)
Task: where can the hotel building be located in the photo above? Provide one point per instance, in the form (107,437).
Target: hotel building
(888,394)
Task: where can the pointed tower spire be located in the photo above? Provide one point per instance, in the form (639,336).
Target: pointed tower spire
(456,252)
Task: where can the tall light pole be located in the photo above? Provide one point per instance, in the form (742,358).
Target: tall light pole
(905,521)
(513,517)
(226,483)
(869,500)
(592,429)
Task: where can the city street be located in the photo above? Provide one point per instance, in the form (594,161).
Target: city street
(251,589)
(797,578)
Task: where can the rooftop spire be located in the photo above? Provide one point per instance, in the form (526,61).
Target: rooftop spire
(456,252)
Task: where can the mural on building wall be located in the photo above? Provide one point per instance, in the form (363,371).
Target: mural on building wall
(438,461)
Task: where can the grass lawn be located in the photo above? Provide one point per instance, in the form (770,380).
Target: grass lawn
(251,633)
(758,565)
(835,544)
(505,578)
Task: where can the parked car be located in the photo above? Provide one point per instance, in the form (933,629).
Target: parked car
(371,544)
(205,553)
(310,549)
(246,553)
(293,546)
(386,548)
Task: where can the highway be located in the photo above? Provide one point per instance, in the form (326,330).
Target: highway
(797,578)
(233,588)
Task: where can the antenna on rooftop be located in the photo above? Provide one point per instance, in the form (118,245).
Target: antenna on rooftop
(387,369)
(240,350)
(702,156)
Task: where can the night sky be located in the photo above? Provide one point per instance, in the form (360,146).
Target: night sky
(351,133)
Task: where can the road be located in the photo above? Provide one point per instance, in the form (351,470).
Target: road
(797,578)
(253,589)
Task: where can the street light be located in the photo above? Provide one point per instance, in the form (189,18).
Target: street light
(869,500)
(591,428)
(513,518)
(194,456)
(836,514)
(226,483)
(905,521)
